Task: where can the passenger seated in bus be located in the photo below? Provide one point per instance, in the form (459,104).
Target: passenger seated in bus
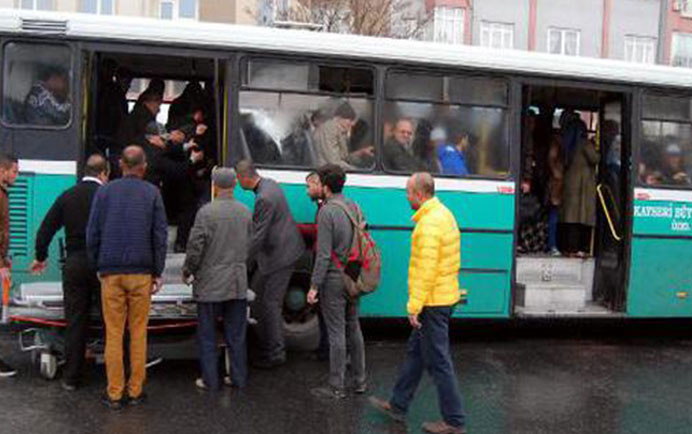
(396,151)
(453,155)
(47,103)
(263,149)
(423,146)
(332,140)
(673,170)
(298,148)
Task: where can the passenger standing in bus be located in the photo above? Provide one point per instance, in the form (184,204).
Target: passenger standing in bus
(433,292)
(578,212)
(79,280)
(216,266)
(332,140)
(276,247)
(126,240)
(9,170)
(334,239)
(133,130)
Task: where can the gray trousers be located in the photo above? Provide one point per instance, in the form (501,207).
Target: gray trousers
(341,318)
(271,291)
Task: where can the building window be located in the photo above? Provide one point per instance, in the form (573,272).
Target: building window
(37,5)
(640,49)
(497,35)
(563,41)
(448,25)
(681,50)
(100,7)
(178,9)
(685,7)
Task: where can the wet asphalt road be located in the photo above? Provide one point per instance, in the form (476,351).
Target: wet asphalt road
(510,385)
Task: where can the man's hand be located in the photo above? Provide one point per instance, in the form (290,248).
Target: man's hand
(188,278)
(365,152)
(312,296)
(525,187)
(201,129)
(413,320)
(196,156)
(156,285)
(38,267)
(5,273)
(157,141)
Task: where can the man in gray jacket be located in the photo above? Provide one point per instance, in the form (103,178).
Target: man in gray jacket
(215,264)
(276,246)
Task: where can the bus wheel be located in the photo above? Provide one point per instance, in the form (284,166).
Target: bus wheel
(301,325)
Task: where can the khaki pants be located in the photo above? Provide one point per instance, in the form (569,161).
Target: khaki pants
(126,298)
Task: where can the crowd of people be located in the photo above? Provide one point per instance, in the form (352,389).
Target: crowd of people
(116,232)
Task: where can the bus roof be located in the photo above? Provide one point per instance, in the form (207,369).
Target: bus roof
(213,35)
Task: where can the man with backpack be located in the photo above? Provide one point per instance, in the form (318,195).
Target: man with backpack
(336,225)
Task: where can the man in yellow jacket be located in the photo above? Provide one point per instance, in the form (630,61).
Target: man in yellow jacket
(433,281)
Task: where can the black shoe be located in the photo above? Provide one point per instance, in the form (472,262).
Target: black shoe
(67,386)
(328,392)
(139,400)
(361,388)
(268,363)
(113,404)
(6,370)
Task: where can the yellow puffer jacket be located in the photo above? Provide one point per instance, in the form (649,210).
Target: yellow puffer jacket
(433,273)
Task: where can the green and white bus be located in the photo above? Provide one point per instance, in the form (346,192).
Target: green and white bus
(271,88)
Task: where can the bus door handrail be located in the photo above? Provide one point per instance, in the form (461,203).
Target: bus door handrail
(613,231)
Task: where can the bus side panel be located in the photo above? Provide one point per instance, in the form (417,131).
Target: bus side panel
(30,199)
(660,279)
(486,221)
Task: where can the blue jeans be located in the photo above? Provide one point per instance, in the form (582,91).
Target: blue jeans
(428,349)
(234,318)
(552,227)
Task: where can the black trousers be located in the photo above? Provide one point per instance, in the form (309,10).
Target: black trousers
(271,290)
(81,293)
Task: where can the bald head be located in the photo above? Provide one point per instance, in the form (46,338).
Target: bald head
(419,189)
(96,165)
(133,161)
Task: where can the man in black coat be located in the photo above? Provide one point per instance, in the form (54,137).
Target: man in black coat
(79,280)
(396,154)
(276,246)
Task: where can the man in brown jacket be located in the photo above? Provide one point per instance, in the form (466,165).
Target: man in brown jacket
(8,173)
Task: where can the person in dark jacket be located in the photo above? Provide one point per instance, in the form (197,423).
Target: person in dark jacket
(276,246)
(216,266)
(79,280)
(8,174)
(340,311)
(134,129)
(126,240)
(395,151)
(47,103)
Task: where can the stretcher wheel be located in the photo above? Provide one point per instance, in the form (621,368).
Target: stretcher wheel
(48,365)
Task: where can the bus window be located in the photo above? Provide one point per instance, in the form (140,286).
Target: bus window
(666,145)
(305,115)
(36,86)
(461,131)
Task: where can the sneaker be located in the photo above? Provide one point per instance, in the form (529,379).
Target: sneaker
(386,408)
(153,361)
(227,381)
(113,404)
(360,388)
(138,400)
(442,427)
(554,252)
(6,370)
(201,385)
(328,392)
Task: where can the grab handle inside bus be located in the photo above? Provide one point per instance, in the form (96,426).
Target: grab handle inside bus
(611,225)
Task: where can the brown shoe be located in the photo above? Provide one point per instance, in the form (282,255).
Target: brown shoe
(443,427)
(386,408)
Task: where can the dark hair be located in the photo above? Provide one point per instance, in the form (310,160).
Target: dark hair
(95,165)
(6,161)
(332,176)
(53,71)
(245,169)
(150,96)
(345,111)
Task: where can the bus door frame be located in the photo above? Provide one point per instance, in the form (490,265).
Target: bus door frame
(630,96)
